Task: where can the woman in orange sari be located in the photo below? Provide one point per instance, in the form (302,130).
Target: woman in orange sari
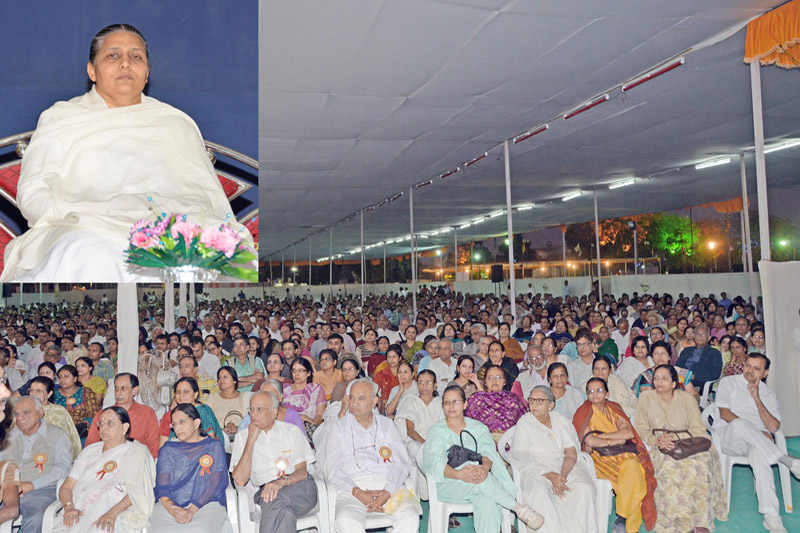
(631,474)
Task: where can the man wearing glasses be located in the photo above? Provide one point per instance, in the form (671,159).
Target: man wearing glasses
(369,466)
(580,370)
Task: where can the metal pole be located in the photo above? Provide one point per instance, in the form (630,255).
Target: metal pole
(691,236)
(511,274)
(746,247)
(636,249)
(309,263)
(330,264)
(597,245)
(294,267)
(564,249)
(413,251)
(455,257)
(363,268)
(283,266)
(761,168)
(271,279)
(384,267)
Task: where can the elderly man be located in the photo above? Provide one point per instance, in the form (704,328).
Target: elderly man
(535,374)
(249,369)
(144,422)
(621,335)
(42,453)
(43,388)
(371,465)
(704,361)
(274,455)
(749,414)
(187,368)
(445,365)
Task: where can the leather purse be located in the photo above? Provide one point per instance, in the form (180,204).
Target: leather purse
(684,447)
(629,446)
(457,455)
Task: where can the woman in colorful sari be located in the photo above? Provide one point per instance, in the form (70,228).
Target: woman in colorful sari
(690,494)
(486,485)
(661,353)
(466,378)
(735,366)
(328,374)
(79,401)
(497,357)
(630,368)
(305,396)
(496,407)
(110,486)
(513,348)
(411,345)
(568,398)
(545,451)
(386,374)
(186,390)
(84,365)
(191,478)
(602,367)
(631,474)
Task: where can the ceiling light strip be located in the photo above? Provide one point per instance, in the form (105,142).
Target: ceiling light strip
(586,107)
(473,161)
(628,86)
(713,163)
(450,173)
(531,133)
(622,183)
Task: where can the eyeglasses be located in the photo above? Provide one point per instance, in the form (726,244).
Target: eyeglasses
(425,382)
(447,403)
(583,343)
(299,371)
(596,391)
(495,377)
(536,401)
(325,359)
(259,410)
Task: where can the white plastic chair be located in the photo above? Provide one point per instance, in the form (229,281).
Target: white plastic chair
(439,512)
(603,486)
(711,413)
(250,514)
(705,397)
(374,520)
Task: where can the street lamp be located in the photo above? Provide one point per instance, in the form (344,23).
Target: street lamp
(632,225)
(711,246)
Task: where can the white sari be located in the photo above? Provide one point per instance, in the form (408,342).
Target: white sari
(537,450)
(423,416)
(104,479)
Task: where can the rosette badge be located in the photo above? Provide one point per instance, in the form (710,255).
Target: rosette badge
(187,252)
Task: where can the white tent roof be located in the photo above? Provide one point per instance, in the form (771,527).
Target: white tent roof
(362,99)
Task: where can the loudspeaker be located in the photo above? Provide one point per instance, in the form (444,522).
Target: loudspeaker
(8,291)
(497,274)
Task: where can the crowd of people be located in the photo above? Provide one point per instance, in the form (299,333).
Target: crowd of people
(375,401)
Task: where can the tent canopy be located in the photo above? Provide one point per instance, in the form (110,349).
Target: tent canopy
(360,100)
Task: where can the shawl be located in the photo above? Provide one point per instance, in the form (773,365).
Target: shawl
(499,411)
(581,420)
(138,471)
(91,168)
(192,472)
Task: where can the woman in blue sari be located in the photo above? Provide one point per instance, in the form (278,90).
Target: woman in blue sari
(191,478)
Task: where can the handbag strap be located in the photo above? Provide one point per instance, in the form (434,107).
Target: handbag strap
(461,439)
(592,432)
(676,432)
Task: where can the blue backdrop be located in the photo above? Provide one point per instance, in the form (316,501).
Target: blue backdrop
(203,57)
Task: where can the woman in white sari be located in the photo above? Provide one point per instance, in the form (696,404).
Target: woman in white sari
(545,450)
(110,486)
(100,162)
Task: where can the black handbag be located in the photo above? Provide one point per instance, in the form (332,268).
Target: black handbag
(684,447)
(629,446)
(457,455)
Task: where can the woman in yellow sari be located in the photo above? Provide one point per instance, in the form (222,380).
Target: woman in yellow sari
(631,474)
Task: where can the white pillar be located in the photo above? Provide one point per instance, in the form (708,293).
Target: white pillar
(511,275)
(309,263)
(746,247)
(413,251)
(455,256)
(283,267)
(182,288)
(192,304)
(597,245)
(363,267)
(127,328)
(564,250)
(169,308)
(761,167)
(330,264)
(384,266)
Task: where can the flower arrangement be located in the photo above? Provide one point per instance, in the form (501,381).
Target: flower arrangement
(171,241)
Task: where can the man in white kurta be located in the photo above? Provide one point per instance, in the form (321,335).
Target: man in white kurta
(444,366)
(370,468)
(749,414)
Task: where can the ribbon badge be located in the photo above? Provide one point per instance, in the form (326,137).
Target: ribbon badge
(281,463)
(386,454)
(71,402)
(107,468)
(205,462)
(40,459)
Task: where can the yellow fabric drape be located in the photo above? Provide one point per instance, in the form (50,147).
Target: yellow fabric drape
(774,37)
(734,205)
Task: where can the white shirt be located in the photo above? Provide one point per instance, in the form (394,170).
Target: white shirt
(282,441)
(732,394)
(444,373)
(579,372)
(208,365)
(621,341)
(393,336)
(376,451)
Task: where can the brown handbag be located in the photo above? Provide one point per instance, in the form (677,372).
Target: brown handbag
(629,446)
(684,447)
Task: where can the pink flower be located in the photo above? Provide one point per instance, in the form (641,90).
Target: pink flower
(187,229)
(161,227)
(140,239)
(220,238)
(140,225)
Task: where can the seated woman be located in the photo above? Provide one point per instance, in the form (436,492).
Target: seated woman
(186,390)
(99,163)
(9,472)
(602,423)
(191,478)
(275,367)
(513,348)
(98,385)
(367,348)
(735,366)
(690,494)
(406,386)
(428,353)
(351,370)
(495,407)
(661,354)
(524,333)
(568,398)
(386,373)
(497,357)
(305,396)
(110,486)
(328,375)
(562,331)
(632,367)
(486,485)
(228,405)
(545,452)
(466,378)
(79,401)
(602,367)
(46,369)
(375,359)
(410,345)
